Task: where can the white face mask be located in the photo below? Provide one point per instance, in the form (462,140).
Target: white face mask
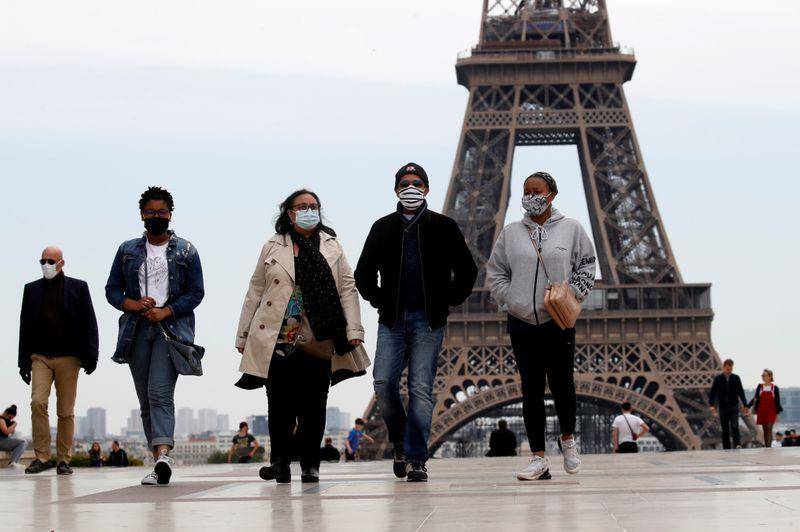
(411,198)
(49,270)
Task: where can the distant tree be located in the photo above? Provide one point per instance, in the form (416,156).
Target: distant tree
(218,457)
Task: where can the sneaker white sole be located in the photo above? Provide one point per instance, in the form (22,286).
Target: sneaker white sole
(543,475)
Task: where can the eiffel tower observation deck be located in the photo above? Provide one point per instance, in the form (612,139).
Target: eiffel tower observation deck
(547,72)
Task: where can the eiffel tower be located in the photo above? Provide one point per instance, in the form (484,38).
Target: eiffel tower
(546,72)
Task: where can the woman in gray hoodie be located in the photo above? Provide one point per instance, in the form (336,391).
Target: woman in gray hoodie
(542,350)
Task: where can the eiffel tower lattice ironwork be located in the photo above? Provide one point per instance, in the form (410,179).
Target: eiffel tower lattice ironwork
(546,72)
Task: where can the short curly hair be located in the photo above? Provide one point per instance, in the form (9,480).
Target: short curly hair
(158,194)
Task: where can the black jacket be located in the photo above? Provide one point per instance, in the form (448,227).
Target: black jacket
(448,269)
(728,392)
(502,443)
(81,324)
(756,400)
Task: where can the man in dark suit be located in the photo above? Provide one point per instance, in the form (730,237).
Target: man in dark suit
(727,390)
(57,336)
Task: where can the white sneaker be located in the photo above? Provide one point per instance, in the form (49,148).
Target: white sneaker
(538,468)
(163,468)
(150,480)
(16,465)
(572,462)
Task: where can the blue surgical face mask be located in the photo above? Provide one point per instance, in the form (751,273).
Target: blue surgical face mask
(307,219)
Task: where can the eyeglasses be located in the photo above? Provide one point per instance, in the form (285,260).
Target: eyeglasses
(150,213)
(417,183)
(48,261)
(305,207)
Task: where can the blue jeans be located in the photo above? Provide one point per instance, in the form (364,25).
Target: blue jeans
(412,342)
(15,446)
(154,377)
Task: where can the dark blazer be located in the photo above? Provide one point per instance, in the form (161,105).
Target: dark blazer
(756,400)
(81,324)
(727,392)
(448,269)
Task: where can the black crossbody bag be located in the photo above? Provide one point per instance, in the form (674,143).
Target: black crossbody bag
(186,358)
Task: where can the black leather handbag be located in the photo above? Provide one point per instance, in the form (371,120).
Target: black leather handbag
(187,358)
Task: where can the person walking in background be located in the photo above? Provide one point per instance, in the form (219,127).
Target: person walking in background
(57,337)
(728,392)
(96,455)
(299,332)
(8,442)
(329,453)
(502,441)
(156,280)
(543,351)
(626,429)
(244,445)
(766,404)
(353,441)
(425,267)
(117,457)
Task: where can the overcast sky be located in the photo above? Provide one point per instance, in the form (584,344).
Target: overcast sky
(232,105)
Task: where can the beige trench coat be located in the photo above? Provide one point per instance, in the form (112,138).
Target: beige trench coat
(271,287)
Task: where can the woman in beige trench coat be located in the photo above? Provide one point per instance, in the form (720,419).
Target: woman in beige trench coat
(302,279)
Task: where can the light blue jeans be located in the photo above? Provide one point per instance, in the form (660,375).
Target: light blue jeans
(412,342)
(15,445)
(154,377)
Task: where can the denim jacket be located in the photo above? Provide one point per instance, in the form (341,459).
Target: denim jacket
(185,289)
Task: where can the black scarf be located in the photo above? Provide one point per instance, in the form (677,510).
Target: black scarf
(321,302)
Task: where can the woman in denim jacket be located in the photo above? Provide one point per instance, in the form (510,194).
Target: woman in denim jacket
(157,282)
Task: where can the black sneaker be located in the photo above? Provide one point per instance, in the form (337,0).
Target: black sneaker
(310,475)
(278,472)
(400,464)
(418,472)
(37,466)
(63,469)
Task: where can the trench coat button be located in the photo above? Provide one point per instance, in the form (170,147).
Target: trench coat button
(269,303)
(262,326)
(277,281)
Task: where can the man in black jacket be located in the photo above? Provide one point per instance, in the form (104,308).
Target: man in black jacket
(502,441)
(727,390)
(57,336)
(425,267)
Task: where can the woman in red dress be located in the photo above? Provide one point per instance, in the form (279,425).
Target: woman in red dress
(766,404)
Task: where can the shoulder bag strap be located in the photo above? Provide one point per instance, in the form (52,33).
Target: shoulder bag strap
(633,434)
(539,255)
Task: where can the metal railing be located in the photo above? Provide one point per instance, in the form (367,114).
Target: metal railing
(517,54)
(631,297)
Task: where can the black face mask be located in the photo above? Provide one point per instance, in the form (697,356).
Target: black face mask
(156,226)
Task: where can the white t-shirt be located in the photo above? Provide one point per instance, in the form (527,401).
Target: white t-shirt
(776,444)
(623,431)
(157,283)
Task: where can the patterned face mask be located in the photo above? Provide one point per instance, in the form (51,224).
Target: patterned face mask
(535,205)
(411,198)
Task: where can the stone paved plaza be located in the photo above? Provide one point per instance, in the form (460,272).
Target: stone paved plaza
(704,491)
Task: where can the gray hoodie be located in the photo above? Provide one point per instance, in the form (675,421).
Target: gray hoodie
(517,279)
